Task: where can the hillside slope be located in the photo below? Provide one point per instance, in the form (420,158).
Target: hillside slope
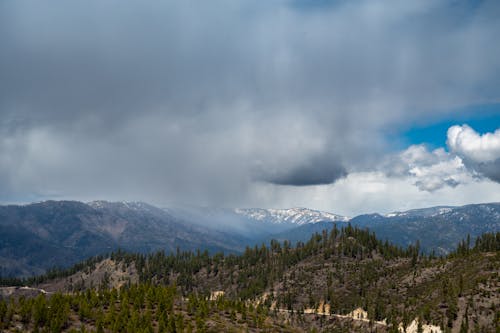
(345,280)
(438,229)
(39,236)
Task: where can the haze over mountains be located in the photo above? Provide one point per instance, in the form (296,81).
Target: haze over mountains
(39,236)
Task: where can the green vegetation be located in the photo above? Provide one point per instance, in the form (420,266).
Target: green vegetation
(268,288)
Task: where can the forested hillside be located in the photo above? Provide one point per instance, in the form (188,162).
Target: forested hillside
(313,286)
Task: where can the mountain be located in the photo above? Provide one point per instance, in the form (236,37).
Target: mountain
(254,223)
(297,216)
(229,221)
(346,280)
(39,236)
(438,229)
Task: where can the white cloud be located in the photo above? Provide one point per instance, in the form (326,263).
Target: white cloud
(480,153)
(428,170)
(465,141)
(449,171)
(470,157)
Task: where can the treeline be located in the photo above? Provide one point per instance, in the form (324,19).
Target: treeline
(258,266)
(54,273)
(134,308)
(488,242)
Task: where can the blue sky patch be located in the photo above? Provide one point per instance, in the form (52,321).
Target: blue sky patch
(482,118)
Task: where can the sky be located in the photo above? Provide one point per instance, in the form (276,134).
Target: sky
(344,106)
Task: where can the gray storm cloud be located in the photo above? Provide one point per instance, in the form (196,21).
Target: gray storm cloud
(194,101)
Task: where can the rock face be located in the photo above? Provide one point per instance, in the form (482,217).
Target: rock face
(413,328)
(358,313)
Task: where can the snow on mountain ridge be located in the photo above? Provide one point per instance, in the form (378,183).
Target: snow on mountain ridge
(132,205)
(428,212)
(298,216)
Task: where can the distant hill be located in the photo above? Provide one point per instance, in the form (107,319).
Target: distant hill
(437,228)
(39,236)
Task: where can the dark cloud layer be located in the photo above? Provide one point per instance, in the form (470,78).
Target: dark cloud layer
(318,171)
(490,170)
(194,101)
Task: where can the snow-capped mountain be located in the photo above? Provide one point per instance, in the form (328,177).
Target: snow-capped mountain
(423,212)
(437,228)
(58,233)
(489,211)
(297,216)
(136,207)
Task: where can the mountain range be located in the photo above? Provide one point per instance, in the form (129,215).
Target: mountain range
(36,237)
